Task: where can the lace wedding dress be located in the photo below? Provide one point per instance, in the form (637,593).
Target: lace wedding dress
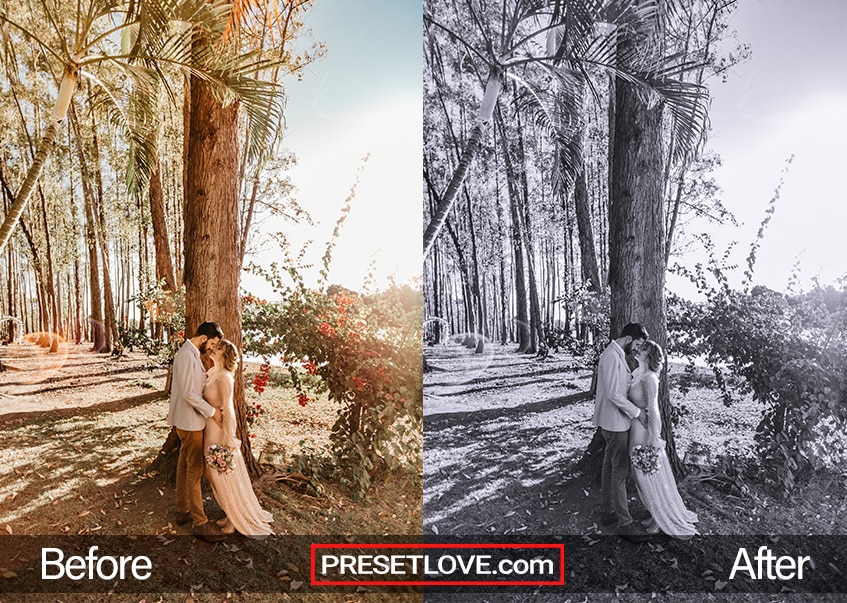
(233,491)
(658,491)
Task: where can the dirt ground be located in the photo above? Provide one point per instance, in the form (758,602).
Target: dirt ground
(35,381)
(78,431)
(503,433)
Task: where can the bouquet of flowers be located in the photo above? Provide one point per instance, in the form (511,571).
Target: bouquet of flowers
(645,459)
(219,458)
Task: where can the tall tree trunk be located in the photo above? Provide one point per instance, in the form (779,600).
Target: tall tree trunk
(38,271)
(637,227)
(481,330)
(143,267)
(489,102)
(536,328)
(49,281)
(212,231)
(78,303)
(110,321)
(587,251)
(467,292)
(521,316)
(161,238)
(434,266)
(504,293)
(98,334)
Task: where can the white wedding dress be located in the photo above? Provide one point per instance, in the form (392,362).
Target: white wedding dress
(658,491)
(233,491)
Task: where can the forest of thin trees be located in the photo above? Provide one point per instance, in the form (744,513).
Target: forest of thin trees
(582,128)
(140,143)
(131,150)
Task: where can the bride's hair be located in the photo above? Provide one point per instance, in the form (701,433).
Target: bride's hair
(230,354)
(655,356)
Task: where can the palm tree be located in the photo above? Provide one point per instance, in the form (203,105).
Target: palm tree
(536,42)
(124,47)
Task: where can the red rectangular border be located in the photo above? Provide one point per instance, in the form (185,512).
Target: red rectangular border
(559,582)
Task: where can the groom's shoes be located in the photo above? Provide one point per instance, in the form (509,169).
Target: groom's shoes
(209,532)
(182,518)
(608,519)
(633,532)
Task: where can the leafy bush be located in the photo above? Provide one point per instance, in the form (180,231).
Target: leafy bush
(791,353)
(365,352)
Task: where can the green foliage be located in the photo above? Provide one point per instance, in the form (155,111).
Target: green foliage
(365,352)
(168,309)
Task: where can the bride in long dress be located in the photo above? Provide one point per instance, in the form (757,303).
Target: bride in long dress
(657,490)
(233,491)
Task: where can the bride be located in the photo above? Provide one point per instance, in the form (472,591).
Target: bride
(233,491)
(657,490)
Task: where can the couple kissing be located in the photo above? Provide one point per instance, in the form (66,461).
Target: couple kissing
(626,410)
(203,414)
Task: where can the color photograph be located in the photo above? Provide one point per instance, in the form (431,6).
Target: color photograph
(211,309)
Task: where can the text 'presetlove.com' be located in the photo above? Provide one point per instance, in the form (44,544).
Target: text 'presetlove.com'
(438,564)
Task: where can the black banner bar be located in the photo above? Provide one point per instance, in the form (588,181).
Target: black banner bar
(592,564)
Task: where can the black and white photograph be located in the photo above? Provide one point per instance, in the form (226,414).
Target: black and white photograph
(635,297)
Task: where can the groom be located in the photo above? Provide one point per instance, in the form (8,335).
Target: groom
(613,414)
(188,413)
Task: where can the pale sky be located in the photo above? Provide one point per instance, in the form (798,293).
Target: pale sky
(789,98)
(363,98)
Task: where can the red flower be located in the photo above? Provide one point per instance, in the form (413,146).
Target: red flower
(303,399)
(310,367)
(326,330)
(260,380)
(359,382)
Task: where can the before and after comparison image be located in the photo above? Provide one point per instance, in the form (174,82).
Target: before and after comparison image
(390,300)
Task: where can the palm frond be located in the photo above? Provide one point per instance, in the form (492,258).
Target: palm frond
(553,109)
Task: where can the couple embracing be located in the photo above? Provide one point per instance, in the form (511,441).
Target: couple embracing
(203,413)
(627,411)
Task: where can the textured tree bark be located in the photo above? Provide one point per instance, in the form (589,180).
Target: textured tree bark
(212,231)
(161,239)
(587,252)
(637,229)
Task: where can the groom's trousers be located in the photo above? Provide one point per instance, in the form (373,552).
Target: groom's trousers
(189,471)
(613,479)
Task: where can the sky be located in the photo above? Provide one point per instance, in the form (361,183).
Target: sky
(789,99)
(362,99)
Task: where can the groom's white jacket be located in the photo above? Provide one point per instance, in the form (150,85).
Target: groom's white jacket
(612,409)
(188,410)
